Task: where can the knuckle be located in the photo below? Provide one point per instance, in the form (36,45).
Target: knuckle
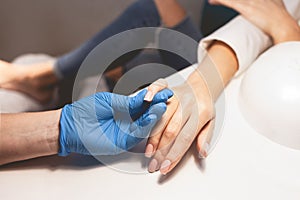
(207,112)
(170,134)
(186,139)
(171,131)
(154,141)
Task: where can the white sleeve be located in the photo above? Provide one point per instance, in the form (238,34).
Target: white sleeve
(246,40)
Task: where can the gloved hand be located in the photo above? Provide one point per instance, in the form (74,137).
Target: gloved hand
(109,124)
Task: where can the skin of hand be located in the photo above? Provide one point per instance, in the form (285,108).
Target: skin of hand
(280,25)
(190,112)
(37,81)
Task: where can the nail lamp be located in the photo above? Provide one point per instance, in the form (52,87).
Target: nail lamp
(269,96)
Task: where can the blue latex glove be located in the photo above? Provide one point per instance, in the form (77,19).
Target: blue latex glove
(109,124)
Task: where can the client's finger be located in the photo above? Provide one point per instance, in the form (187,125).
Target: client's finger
(171,132)
(141,128)
(183,142)
(204,139)
(156,133)
(155,87)
(167,139)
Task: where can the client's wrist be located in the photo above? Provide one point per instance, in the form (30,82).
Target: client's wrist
(201,86)
(215,70)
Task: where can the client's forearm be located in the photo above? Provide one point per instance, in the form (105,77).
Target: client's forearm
(28,135)
(216,70)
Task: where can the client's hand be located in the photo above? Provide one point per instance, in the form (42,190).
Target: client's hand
(190,113)
(280,25)
(109,124)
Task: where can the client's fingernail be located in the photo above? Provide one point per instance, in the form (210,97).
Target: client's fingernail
(204,151)
(149,151)
(149,96)
(165,167)
(153,166)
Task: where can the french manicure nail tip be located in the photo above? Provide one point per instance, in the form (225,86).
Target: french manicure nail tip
(165,165)
(203,153)
(153,165)
(206,149)
(149,150)
(148,96)
(200,156)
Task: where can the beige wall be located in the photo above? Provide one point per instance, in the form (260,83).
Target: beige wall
(56,26)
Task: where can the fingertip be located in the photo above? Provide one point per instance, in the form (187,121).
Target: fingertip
(153,166)
(198,148)
(202,154)
(149,96)
(202,149)
(154,88)
(165,167)
(149,151)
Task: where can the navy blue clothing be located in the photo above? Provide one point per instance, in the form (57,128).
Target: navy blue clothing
(143,13)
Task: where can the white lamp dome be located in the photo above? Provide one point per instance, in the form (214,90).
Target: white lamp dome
(270,94)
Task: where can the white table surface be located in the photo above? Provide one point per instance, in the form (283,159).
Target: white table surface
(244,165)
